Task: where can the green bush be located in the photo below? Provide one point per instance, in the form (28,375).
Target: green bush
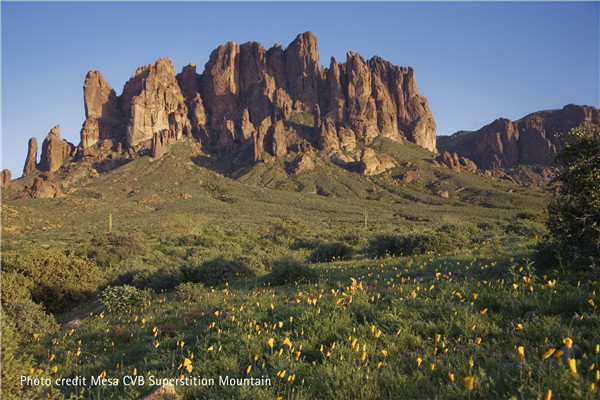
(29,318)
(124,298)
(191,291)
(291,271)
(157,279)
(326,252)
(215,271)
(445,239)
(574,214)
(56,280)
(15,286)
(287,229)
(110,248)
(525,227)
(536,216)
(15,363)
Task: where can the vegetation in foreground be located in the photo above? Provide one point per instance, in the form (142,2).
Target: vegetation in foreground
(472,323)
(418,305)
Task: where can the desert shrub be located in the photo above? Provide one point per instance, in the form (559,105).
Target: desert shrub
(536,216)
(462,234)
(58,281)
(191,291)
(124,298)
(15,287)
(29,318)
(15,363)
(110,248)
(290,271)
(157,279)
(305,243)
(445,239)
(287,229)
(354,237)
(326,252)
(574,214)
(215,271)
(525,227)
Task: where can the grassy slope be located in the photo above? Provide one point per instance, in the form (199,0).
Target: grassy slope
(150,196)
(353,342)
(176,195)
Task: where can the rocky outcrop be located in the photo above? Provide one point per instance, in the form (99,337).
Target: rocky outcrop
(302,163)
(44,186)
(159,144)
(54,151)
(279,139)
(31,160)
(533,139)
(454,162)
(5,177)
(372,163)
(353,102)
(103,118)
(241,92)
(188,80)
(153,102)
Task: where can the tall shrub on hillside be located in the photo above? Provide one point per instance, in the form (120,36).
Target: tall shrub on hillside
(574,214)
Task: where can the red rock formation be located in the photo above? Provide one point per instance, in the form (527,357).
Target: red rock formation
(279,139)
(453,161)
(102,112)
(54,151)
(243,86)
(152,102)
(532,139)
(372,163)
(189,81)
(5,177)
(44,186)
(31,160)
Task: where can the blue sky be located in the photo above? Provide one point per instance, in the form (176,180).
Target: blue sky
(474,61)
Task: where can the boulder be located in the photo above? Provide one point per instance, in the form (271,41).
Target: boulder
(44,186)
(454,162)
(372,163)
(302,163)
(31,160)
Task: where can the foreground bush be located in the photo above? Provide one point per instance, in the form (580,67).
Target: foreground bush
(291,271)
(216,271)
(56,280)
(445,239)
(574,215)
(124,298)
(326,252)
(15,363)
(30,319)
(191,291)
(111,248)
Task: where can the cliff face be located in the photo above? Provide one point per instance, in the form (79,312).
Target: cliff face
(245,90)
(534,139)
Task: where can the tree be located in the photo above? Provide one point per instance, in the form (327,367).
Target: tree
(574,214)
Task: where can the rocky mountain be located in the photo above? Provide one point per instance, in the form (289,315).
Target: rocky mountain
(533,139)
(241,101)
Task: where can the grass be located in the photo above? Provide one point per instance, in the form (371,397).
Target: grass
(358,331)
(382,316)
